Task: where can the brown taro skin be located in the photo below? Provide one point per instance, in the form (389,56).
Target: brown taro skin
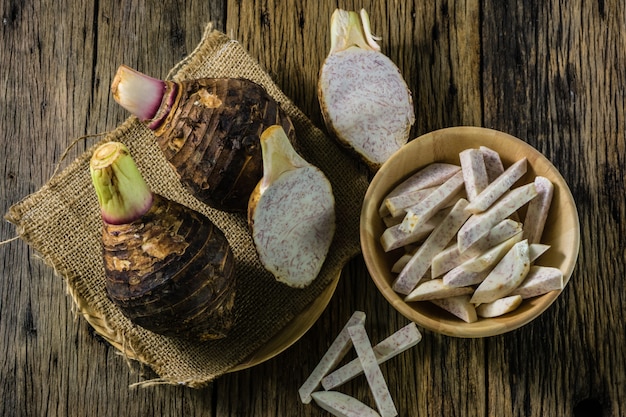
(172,272)
(211,138)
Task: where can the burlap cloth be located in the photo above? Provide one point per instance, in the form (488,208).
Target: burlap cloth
(61,222)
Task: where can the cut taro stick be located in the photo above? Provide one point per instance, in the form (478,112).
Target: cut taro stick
(393,238)
(398,342)
(372,371)
(291,212)
(474,172)
(479,225)
(335,353)
(538,209)
(450,257)
(431,175)
(459,306)
(342,405)
(499,307)
(492,256)
(498,187)
(493,163)
(459,277)
(507,275)
(425,209)
(414,271)
(540,280)
(397,205)
(434,289)
(494,167)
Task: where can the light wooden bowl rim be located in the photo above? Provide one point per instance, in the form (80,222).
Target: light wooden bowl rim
(562,230)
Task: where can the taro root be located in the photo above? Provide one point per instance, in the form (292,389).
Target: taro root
(365,102)
(291,213)
(168,268)
(208,129)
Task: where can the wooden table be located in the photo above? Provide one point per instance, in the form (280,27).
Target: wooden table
(550,72)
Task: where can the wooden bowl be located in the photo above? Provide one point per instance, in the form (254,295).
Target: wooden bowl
(561,232)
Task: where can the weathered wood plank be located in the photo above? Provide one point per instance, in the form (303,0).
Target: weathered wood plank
(554,76)
(42,106)
(59,59)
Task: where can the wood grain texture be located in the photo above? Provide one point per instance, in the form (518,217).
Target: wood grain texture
(59,60)
(554,76)
(552,73)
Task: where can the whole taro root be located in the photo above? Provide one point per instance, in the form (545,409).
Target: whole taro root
(208,129)
(168,268)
